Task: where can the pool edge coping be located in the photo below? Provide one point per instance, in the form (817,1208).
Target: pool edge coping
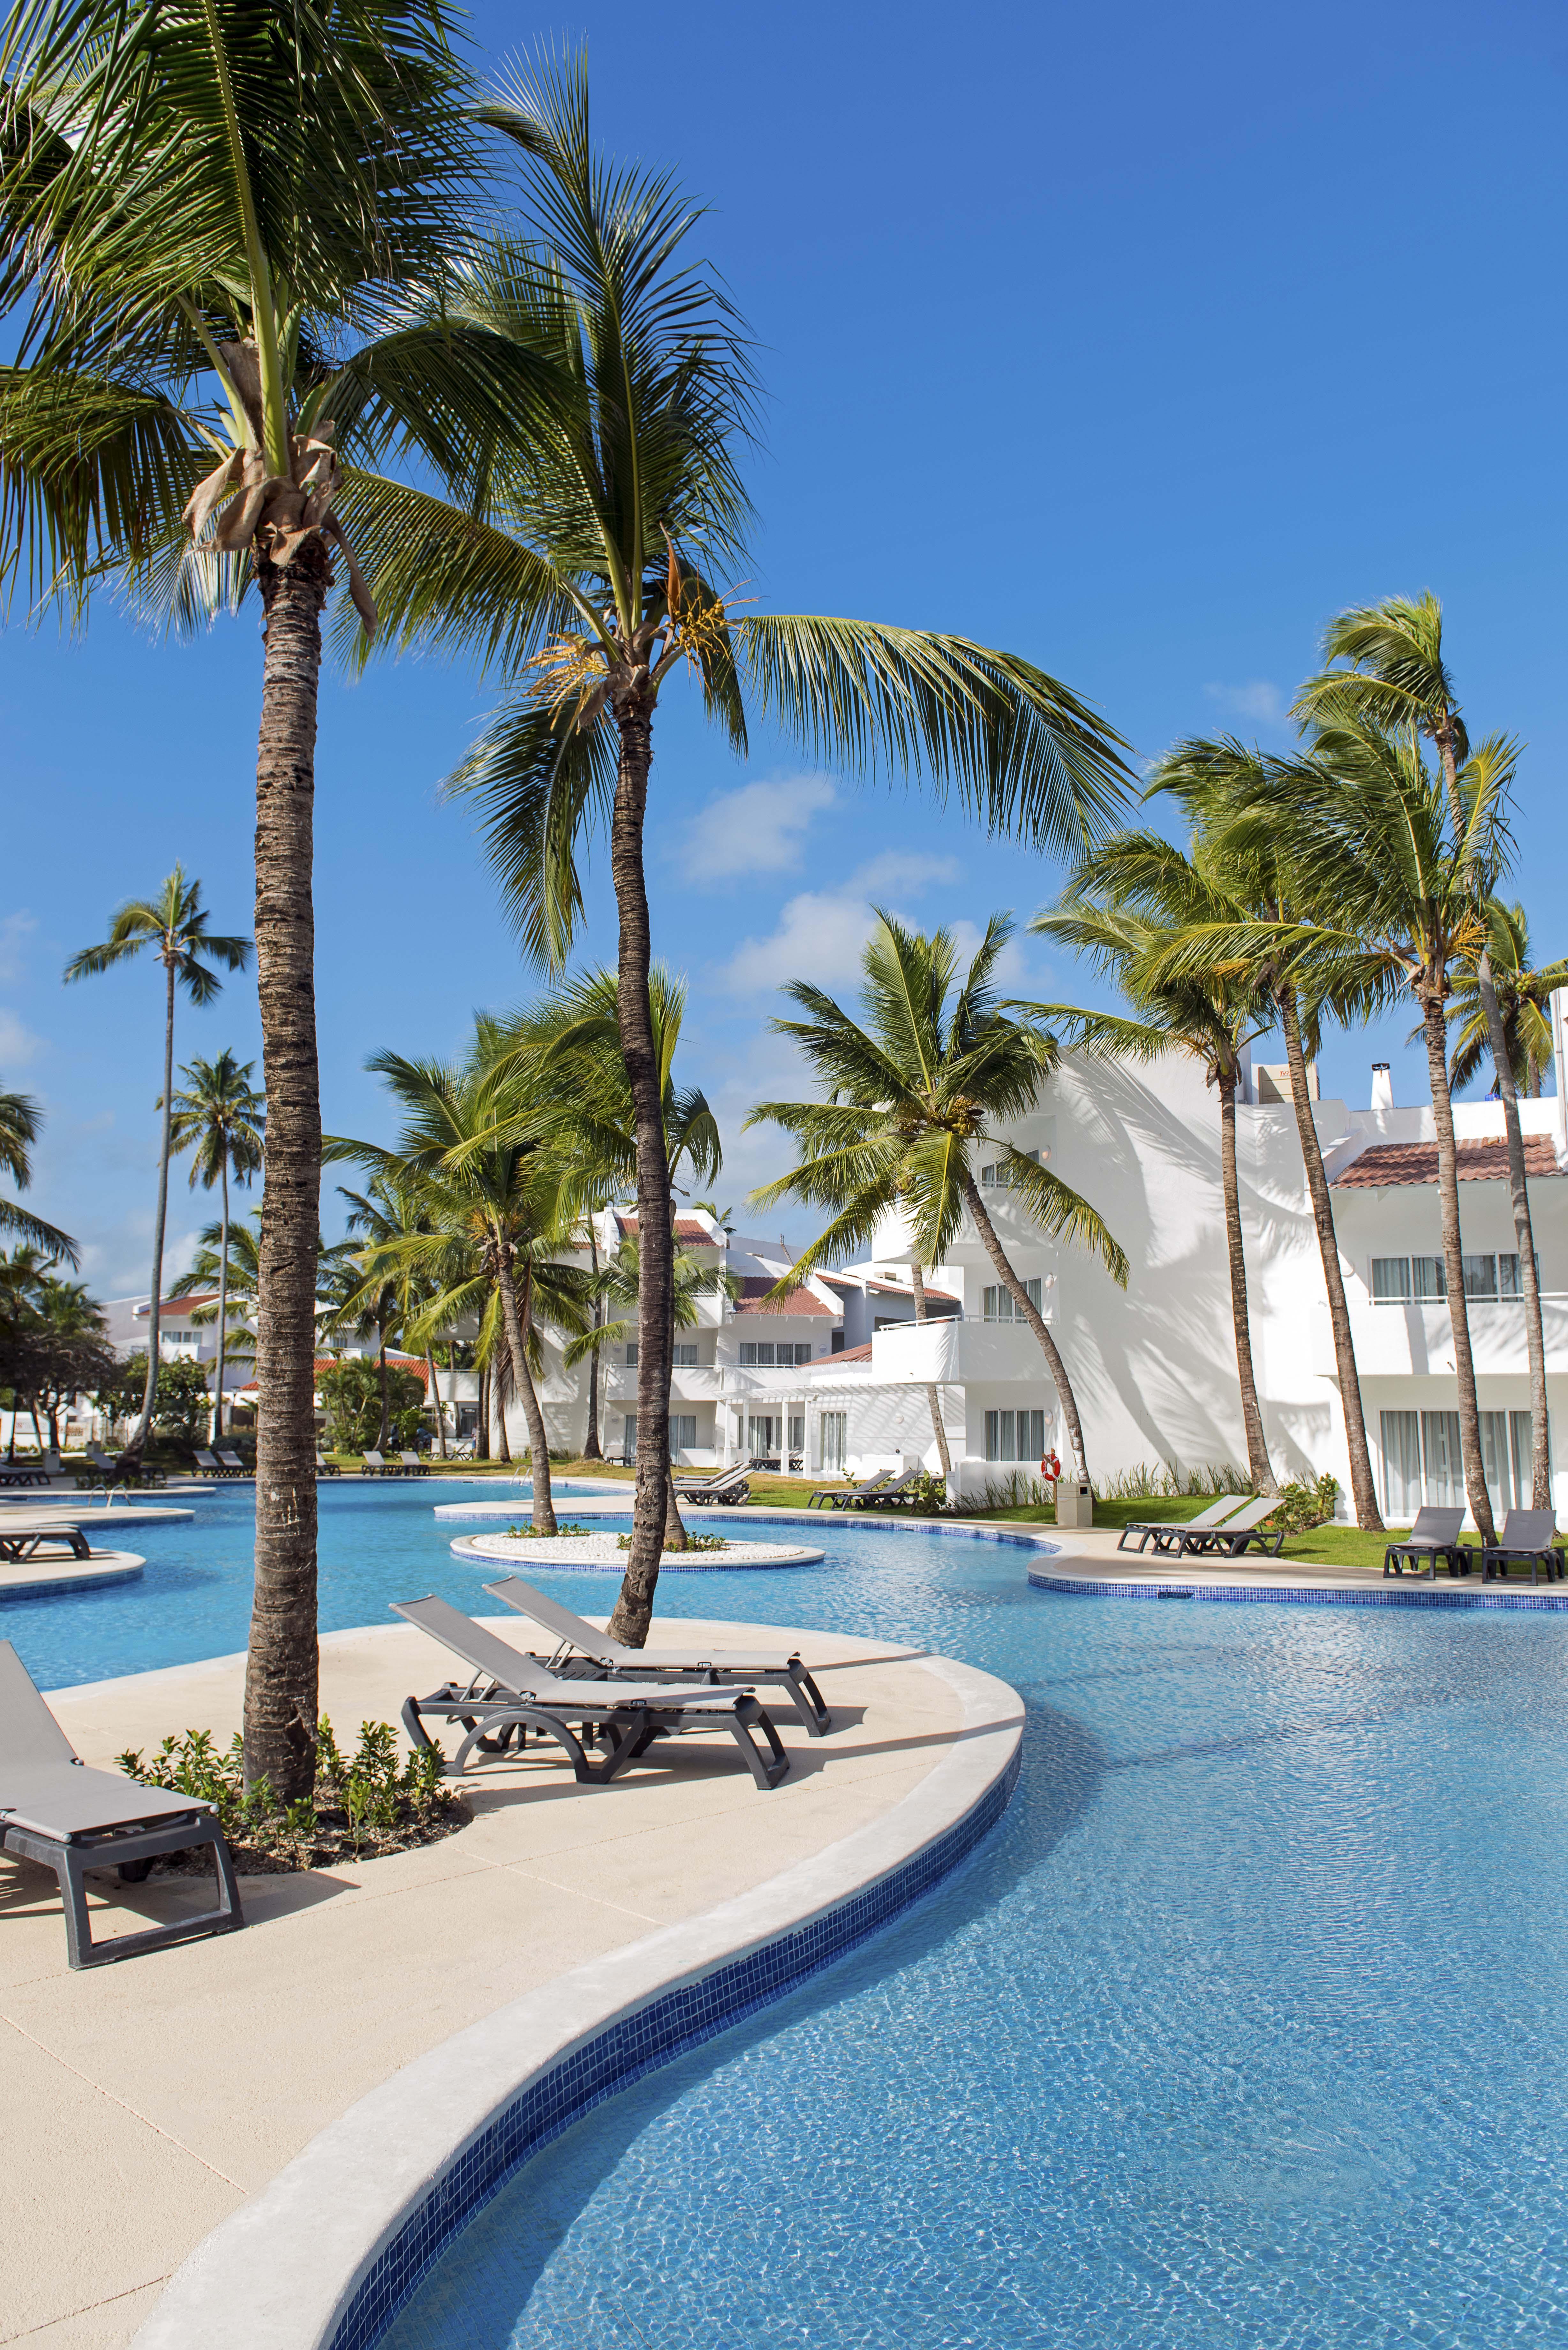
(292,2268)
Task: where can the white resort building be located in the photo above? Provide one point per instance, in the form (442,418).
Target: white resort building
(837,1375)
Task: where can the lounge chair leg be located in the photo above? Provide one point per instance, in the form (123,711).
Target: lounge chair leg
(749,1716)
(808,1702)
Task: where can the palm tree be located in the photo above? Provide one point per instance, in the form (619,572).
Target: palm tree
(1215,779)
(174,926)
(618,1285)
(496,1209)
(907,1098)
(1523,997)
(203,214)
(600,563)
(220,1118)
(1391,671)
(1122,906)
(566,1057)
(20,1122)
(381,1290)
(1384,902)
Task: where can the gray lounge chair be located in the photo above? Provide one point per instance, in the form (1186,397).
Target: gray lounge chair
(511,1692)
(900,1491)
(578,1645)
(842,1497)
(27,1473)
(412,1465)
(53,1809)
(211,1465)
(1434,1536)
(375,1465)
(1166,1533)
(231,1463)
(1233,1539)
(711,1489)
(22,1542)
(325,1468)
(1531,1538)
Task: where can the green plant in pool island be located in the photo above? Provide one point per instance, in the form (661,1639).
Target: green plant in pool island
(373,1800)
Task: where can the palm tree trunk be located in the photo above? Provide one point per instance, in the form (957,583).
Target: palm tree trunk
(385,1429)
(1363,1489)
(656,1240)
(1436,1033)
(1258,1470)
(282,1668)
(523,1380)
(481,1429)
(1026,1310)
(675,1536)
(592,1449)
(217,1434)
(139,1434)
(1523,1238)
(932,1397)
(435,1399)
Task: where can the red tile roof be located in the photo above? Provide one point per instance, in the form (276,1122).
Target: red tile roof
(792,1304)
(1388,1163)
(414,1363)
(688,1230)
(830,1362)
(891,1288)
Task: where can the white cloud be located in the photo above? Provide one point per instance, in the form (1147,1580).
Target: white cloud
(17,1042)
(821,932)
(13,929)
(760,828)
(1262,703)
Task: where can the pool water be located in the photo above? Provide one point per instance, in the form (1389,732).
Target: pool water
(1247,2027)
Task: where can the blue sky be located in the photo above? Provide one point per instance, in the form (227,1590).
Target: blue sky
(1138,340)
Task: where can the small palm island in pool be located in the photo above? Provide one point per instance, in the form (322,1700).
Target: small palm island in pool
(781,1368)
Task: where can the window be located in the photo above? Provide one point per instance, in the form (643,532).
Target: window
(762,1436)
(1521,1453)
(998,1176)
(1430,1281)
(1401,1460)
(756,1354)
(833,1436)
(802,1350)
(998,1306)
(682,1431)
(631,1356)
(1014,1435)
(684,1356)
(797,1431)
(628,1439)
(1481,1277)
(1390,1285)
(1445,1470)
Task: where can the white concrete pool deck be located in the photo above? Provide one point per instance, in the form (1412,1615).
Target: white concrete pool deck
(149,2101)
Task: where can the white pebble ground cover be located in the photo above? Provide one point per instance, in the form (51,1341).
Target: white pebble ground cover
(580,1551)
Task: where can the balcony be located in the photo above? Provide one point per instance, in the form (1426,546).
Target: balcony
(986,1354)
(1418,1341)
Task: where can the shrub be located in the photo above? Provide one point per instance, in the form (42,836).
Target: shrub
(562,1527)
(181,1401)
(351,1391)
(366,1801)
(1170,1482)
(1302,1506)
(693,1542)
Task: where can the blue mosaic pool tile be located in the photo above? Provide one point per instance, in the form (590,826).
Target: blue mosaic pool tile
(1393,1594)
(664,2028)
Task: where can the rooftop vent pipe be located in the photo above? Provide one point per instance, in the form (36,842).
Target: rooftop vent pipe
(1382,1086)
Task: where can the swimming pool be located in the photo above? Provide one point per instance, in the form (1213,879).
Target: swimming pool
(1245,2027)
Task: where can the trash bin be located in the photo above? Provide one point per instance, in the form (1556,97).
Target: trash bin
(1074,1502)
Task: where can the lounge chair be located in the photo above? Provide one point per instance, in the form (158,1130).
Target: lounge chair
(1166,1533)
(900,1491)
(231,1463)
(27,1472)
(1434,1536)
(1530,1536)
(729,1488)
(509,1692)
(1232,1539)
(211,1465)
(579,1645)
(841,1497)
(53,1809)
(22,1542)
(375,1466)
(413,1466)
(325,1468)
